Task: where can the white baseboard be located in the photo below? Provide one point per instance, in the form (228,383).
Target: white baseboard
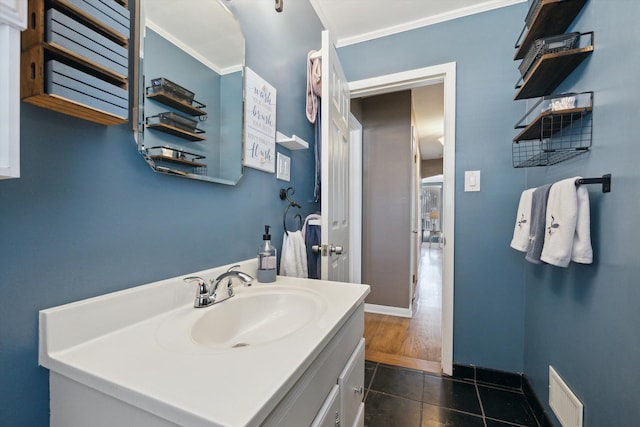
(390,311)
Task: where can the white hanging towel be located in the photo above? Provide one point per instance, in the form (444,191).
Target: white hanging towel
(567,225)
(520,240)
(293,261)
(582,251)
(537,231)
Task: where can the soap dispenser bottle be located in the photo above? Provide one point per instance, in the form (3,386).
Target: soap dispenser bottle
(267,259)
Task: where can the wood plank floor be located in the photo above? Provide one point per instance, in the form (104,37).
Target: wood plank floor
(412,343)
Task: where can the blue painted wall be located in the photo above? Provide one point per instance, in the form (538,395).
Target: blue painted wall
(584,320)
(88,216)
(489,292)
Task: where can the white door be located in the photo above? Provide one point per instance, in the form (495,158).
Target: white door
(335,166)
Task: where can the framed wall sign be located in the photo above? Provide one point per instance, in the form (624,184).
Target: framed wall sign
(259,123)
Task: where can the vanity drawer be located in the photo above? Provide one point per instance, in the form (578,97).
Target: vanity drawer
(329,414)
(351,382)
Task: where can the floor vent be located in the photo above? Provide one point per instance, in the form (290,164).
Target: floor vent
(564,403)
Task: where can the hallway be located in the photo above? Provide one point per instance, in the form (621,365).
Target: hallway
(403,384)
(412,343)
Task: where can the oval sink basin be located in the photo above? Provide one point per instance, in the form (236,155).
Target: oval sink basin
(252,317)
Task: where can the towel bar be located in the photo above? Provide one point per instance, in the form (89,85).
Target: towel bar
(605,181)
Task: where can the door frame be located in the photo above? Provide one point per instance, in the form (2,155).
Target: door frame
(446,74)
(355,201)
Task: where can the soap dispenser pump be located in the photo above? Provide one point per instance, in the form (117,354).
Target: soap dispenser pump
(267,259)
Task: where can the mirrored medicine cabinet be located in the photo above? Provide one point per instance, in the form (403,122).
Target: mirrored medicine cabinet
(188,115)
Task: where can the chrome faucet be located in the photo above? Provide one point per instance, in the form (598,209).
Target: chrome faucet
(207,293)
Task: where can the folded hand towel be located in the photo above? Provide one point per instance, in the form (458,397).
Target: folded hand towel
(538,214)
(293,260)
(520,240)
(565,215)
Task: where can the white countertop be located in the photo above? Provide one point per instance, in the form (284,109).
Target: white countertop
(110,343)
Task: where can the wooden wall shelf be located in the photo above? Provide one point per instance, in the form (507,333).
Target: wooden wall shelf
(550,70)
(540,127)
(175,131)
(177,161)
(552,18)
(105,101)
(178,104)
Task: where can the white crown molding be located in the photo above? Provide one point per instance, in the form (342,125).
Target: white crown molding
(412,25)
(171,39)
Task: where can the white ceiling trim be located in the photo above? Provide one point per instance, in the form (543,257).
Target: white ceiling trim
(412,25)
(180,45)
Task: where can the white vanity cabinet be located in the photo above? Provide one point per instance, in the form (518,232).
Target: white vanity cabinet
(340,363)
(344,406)
(116,360)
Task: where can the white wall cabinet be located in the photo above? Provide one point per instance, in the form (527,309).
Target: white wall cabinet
(13,19)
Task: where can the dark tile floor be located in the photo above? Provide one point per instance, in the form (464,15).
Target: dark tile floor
(400,397)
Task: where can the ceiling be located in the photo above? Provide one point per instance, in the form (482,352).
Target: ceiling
(354,21)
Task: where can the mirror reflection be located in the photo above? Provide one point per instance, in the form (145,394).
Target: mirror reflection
(190,90)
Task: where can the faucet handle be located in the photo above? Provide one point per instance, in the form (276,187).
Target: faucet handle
(233,267)
(246,279)
(203,296)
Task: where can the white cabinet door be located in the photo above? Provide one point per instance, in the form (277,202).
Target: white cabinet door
(359,422)
(329,413)
(351,382)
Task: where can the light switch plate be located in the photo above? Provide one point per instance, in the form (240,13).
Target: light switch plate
(472,181)
(283,171)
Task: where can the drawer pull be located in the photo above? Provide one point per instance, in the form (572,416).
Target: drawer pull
(358,390)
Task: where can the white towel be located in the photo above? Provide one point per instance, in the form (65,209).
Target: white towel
(567,225)
(293,261)
(520,240)
(582,251)
(306,221)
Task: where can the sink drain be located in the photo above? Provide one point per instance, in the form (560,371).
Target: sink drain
(240,344)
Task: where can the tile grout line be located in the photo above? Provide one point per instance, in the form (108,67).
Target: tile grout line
(484,417)
(373,375)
